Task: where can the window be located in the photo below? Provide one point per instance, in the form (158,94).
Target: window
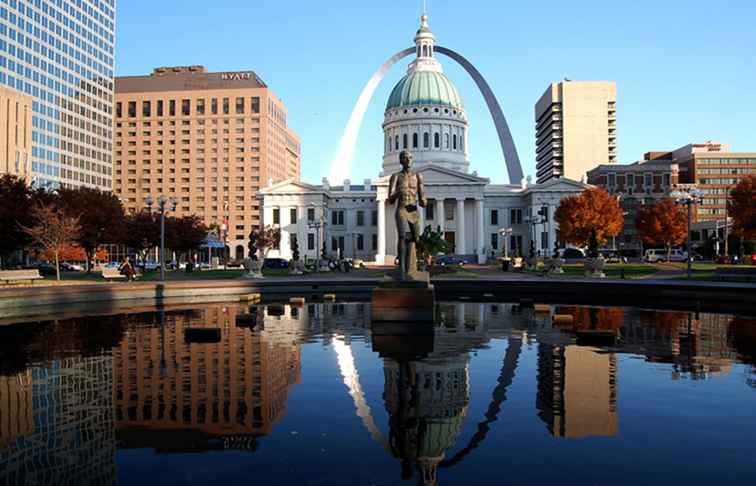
(414,140)
(426,140)
(375,242)
(239,106)
(374,218)
(436,140)
(611,180)
(334,244)
(454,141)
(648,180)
(185,107)
(119,108)
(360,242)
(667,179)
(132,109)
(225,106)
(449,210)
(255,104)
(160,108)
(544,240)
(360,218)
(310,241)
(515,216)
(214,106)
(446,140)
(310,214)
(494,216)
(404,141)
(276,216)
(293,216)
(429,211)
(201,106)
(494,241)
(146,109)
(337,217)
(396,142)
(172,108)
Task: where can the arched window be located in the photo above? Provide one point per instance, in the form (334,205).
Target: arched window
(426,140)
(414,140)
(396,142)
(446,140)
(404,141)
(239,252)
(454,141)
(418,51)
(425,51)
(462,140)
(436,140)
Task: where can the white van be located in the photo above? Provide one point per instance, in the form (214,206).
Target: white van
(660,255)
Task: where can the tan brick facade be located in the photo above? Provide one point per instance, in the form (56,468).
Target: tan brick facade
(15,133)
(209,140)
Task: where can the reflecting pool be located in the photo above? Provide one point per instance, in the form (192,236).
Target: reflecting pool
(279,394)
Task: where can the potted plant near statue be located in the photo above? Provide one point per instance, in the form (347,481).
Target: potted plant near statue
(532,260)
(296,266)
(261,240)
(430,243)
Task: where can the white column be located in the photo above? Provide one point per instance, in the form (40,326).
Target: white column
(481,234)
(440,216)
(381,257)
(284,215)
(460,216)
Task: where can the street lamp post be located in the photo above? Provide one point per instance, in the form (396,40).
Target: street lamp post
(317,224)
(688,198)
(505,233)
(163,205)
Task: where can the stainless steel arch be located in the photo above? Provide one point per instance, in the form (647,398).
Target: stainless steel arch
(341,164)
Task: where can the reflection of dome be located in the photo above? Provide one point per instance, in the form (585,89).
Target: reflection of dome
(424,88)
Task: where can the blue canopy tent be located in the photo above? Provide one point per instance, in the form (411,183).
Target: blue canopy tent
(211,242)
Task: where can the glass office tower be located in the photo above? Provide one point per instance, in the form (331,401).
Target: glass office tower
(60,52)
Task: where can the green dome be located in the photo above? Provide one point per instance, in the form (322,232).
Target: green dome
(424,88)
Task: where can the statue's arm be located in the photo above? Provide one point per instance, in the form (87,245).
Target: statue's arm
(392,195)
(420,191)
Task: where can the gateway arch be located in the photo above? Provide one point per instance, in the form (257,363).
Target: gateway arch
(341,165)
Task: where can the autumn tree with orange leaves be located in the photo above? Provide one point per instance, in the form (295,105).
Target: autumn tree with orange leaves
(589,219)
(743,207)
(662,224)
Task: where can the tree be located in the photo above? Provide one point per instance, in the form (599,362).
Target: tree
(589,219)
(15,199)
(294,248)
(185,234)
(743,207)
(252,245)
(662,224)
(100,217)
(267,238)
(141,232)
(52,231)
(431,243)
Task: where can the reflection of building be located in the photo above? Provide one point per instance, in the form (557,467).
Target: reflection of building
(15,133)
(576,128)
(210,140)
(72,441)
(69,74)
(577,391)
(15,406)
(236,387)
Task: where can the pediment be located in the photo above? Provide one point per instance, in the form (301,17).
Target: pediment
(290,186)
(439,175)
(559,185)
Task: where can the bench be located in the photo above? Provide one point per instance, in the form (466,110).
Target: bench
(735,274)
(110,273)
(31,275)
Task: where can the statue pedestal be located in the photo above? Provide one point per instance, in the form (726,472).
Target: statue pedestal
(402,303)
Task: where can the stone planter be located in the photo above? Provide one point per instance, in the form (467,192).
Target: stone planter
(253,268)
(554,265)
(296,268)
(594,267)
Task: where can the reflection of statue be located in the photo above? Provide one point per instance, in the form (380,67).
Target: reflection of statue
(406,189)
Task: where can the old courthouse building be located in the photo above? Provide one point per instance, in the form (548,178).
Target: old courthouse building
(209,140)
(424,114)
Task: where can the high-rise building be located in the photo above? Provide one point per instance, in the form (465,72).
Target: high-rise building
(60,53)
(15,133)
(576,128)
(209,140)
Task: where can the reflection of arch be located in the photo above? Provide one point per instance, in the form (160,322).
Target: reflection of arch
(341,165)
(239,252)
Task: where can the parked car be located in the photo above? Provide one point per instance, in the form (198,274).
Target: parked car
(572,255)
(356,262)
(276,263)
(71,267)
(148,266)
(660,255)
(45,269)
(444,260)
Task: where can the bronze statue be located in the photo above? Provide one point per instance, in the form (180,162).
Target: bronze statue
(406,189)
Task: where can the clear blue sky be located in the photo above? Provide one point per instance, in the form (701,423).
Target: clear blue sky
(685,69)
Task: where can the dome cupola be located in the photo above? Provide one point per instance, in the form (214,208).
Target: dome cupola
(424,113)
